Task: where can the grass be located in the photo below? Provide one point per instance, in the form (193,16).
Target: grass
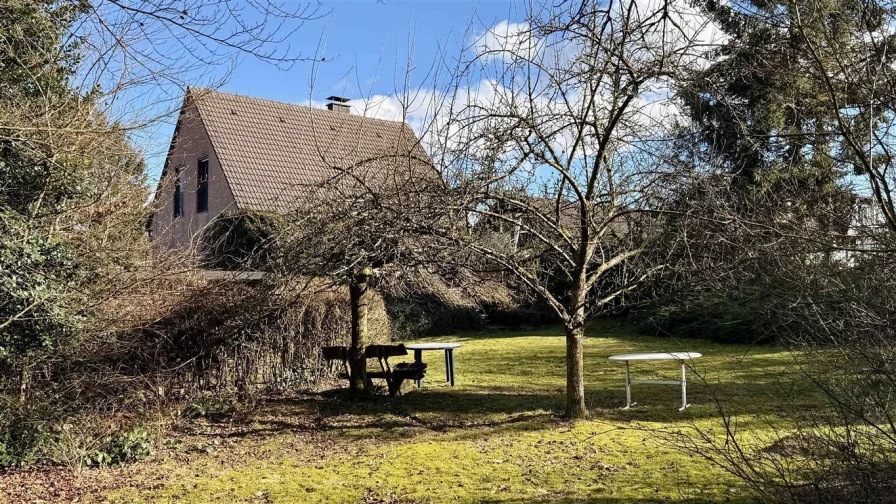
(495,437)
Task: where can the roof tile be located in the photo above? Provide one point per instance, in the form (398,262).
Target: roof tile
(274,153)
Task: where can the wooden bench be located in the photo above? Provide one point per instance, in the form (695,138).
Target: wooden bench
(338,353)
(394,376)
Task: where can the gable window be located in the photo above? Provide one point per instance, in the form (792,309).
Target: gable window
(179,192)
(202,186)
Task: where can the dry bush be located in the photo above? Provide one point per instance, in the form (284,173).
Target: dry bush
(239,335)
(824,293)
(421,302)
(175,338)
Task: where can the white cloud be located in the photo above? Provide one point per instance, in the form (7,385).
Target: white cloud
(677,28)
(417,107)
(444,121)
(673,27)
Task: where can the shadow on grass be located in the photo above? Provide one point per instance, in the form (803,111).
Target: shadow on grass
(656,403)
(616,330)
(604,499)
(440,410)
(338,412)
(497,408)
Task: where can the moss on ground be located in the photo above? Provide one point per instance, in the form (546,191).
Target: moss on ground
(495,437)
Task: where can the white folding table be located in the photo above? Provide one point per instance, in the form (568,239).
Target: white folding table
(681,357)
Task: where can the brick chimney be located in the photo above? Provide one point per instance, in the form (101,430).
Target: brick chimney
(339,105)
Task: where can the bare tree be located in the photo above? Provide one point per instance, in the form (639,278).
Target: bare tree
(367,218)
(141,55)
(554,137)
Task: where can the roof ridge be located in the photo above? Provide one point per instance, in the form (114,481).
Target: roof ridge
(291,104)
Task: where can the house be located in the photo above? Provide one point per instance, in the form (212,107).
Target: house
(863,230)
(234,153)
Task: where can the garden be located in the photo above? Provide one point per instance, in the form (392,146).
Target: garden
(495,437)
(212,290)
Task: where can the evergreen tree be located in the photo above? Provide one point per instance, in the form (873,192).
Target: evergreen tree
(770,106)
(70,183)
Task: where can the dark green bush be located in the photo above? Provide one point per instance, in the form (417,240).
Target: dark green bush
(31,266)
(123,447)
(726,318)
(530,314)
(241,240)
(24,437)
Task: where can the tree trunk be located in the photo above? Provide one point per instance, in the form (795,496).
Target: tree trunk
(24,381)
(359,291)
(575,367)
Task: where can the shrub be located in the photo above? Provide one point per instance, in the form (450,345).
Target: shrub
(25,438)
(238,337)
(528,313)
(430,304)
(241,240)
(716,316)
(125,446)
(425,314)
(172,341)
(31,267)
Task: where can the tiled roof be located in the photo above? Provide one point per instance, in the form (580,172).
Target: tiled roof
(274,153)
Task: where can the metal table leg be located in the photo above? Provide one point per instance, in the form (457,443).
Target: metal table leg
(418,358)
(449,357)
(447,366)
(684,388)
(628,387)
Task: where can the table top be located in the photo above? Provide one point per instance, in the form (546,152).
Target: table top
(433,346)
(679,356)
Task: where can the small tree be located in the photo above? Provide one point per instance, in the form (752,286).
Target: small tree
(371,219)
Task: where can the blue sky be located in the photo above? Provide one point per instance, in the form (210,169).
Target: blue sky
(365,43)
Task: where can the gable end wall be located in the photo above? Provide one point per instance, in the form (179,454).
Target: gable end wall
(191,143)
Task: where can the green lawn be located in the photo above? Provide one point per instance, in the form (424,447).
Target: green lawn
(494,437)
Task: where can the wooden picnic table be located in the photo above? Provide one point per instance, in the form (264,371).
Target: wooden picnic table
(393,375)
